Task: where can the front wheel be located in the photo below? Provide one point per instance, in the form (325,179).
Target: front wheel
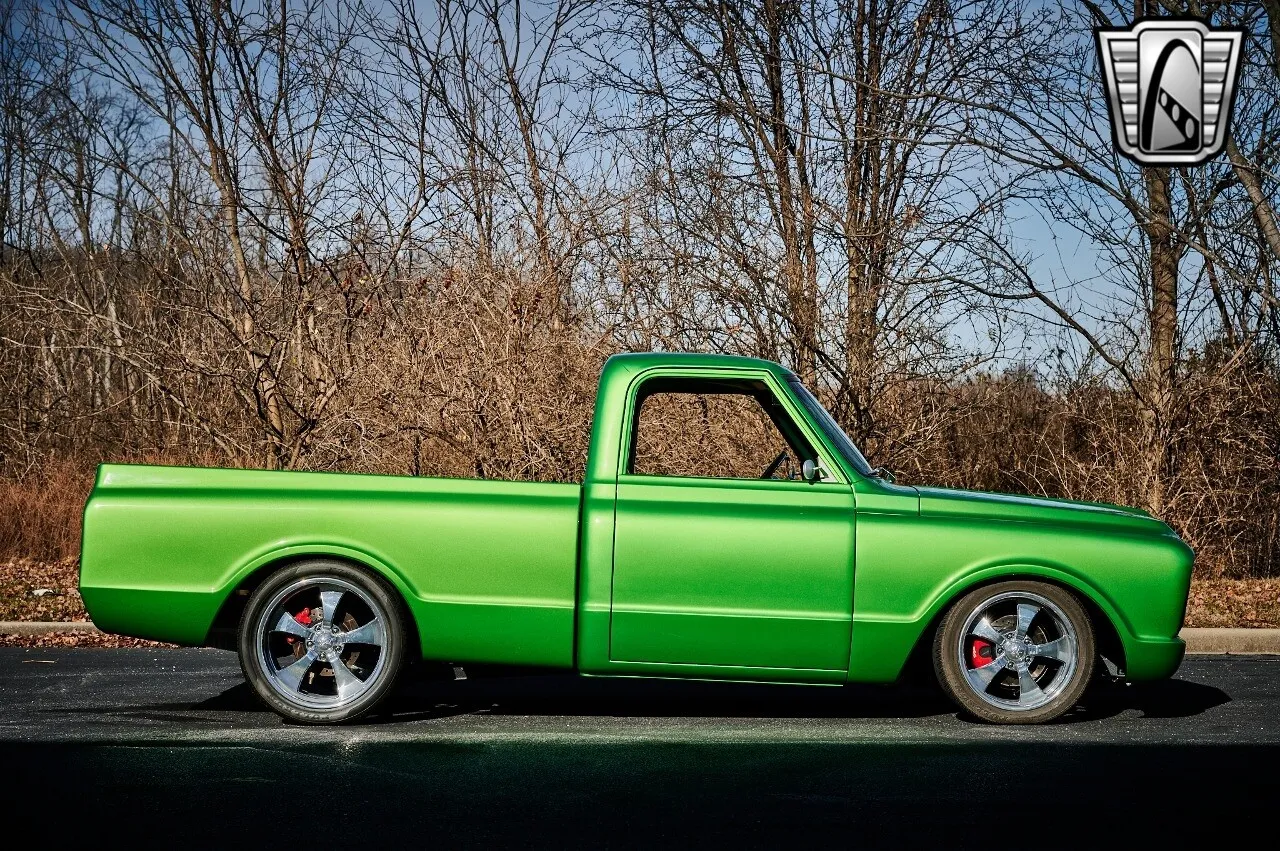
(1015,652)
(322,642)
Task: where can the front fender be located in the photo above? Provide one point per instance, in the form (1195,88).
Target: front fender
(1138,582)
(881,645)
(1058,574)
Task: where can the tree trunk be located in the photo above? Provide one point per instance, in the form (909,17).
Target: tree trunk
(1166,252)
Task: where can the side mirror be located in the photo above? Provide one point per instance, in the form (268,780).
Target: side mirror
(884,474)
(810,471)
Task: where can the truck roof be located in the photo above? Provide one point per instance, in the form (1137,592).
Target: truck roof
(634,361)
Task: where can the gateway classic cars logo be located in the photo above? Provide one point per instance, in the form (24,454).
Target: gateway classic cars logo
(1170,84)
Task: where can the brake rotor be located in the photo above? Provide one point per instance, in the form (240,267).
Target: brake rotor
(306,617)
(1008,623)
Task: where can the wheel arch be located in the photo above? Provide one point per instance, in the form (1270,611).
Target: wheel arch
(1102,615)
(247,579)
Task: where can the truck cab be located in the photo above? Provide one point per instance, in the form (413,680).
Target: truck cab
(706,550)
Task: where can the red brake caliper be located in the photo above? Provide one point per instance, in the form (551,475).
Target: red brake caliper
(981,652)
(303,617)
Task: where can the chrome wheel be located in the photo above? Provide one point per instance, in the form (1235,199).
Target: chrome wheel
(321,643)
(1018,651)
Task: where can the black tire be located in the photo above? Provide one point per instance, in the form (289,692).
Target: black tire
(258,644)
(1055,685)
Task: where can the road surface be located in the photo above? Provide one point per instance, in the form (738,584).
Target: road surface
(170,747)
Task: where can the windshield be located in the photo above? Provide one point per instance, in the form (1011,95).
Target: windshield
(834,433)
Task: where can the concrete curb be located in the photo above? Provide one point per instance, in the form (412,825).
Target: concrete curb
(45,627)
(1219,641)
(1232,640)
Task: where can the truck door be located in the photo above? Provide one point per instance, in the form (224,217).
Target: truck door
(723,555)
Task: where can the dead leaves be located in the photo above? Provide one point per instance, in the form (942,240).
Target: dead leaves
(1234,603)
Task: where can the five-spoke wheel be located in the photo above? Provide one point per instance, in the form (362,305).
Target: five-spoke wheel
(1015,652)
(321,642)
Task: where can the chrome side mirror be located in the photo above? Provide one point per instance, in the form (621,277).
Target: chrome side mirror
(810,471)
(884,474)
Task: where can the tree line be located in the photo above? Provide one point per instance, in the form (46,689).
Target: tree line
(402,237)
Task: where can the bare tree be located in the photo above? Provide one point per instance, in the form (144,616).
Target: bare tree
(252,94)
(809,176)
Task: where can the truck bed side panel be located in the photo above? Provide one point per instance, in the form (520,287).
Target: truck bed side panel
(487,568)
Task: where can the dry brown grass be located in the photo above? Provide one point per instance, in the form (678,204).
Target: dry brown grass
(509,394)
(40,512)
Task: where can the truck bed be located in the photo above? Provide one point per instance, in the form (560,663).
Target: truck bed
(487,567)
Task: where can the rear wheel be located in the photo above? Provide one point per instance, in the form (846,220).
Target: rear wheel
(322,642)
(1015,652)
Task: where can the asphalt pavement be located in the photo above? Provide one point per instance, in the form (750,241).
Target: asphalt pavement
(170,747)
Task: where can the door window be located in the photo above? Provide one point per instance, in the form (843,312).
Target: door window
(724,430)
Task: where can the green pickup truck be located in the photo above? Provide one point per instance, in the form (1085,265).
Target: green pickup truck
(726,528)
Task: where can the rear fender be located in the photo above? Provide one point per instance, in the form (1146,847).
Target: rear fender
(264,562)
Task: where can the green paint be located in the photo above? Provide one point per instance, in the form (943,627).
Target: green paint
(634,575)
